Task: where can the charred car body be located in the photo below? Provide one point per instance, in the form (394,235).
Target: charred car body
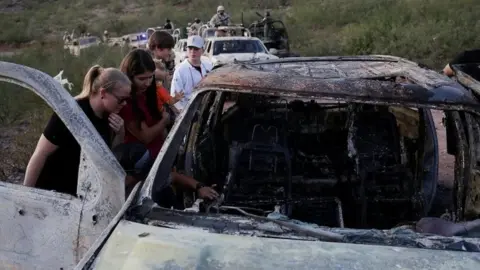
(339,149)
(314,158)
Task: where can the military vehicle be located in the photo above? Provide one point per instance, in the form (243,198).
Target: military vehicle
(277,36)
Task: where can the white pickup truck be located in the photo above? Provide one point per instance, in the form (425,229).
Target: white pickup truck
(223,50)
(136,40)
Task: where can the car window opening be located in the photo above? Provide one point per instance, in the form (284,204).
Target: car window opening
(327,163)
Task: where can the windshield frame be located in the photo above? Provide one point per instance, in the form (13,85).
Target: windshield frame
(257,46)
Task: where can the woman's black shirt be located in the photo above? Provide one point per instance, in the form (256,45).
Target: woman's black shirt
(60,172)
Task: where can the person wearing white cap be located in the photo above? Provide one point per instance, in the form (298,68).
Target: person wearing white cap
(189,73)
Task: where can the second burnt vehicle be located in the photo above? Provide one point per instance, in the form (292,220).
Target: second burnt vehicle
(307,151)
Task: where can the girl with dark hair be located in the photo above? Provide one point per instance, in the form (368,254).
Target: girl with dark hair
(145,121)
(146,125)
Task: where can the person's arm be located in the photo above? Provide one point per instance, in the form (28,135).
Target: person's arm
(448,71)
(190,183)
(174,109)
(164,97)
(144,134)
(175,99)
(51,139)
(213,20)
(116,123)
(119,138)
(147,134)
(465,57)
(43,150)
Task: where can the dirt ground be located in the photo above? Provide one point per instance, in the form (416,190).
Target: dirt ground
(446,161)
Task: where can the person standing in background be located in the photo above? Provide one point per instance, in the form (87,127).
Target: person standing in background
(190,72)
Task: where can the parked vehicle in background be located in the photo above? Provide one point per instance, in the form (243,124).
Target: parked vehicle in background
(224,50)
(81,43)
(277,36)
(180,51)
(135,40)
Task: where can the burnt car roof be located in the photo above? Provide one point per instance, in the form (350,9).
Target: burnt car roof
(350,78)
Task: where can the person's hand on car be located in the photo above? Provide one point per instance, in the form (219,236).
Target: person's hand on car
(178,96)
(207,193)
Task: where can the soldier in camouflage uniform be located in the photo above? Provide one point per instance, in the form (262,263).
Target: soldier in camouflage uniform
(221,18)
(267,24)
(106,36)
(66,37)
(195,27)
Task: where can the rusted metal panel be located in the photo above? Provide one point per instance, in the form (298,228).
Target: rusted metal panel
(38,228)
(95,248)
(48,230)
(465,79)
(462,166)
(472,193)
(347,79)
(139,246)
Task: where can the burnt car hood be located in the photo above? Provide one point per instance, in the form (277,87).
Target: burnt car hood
(356,78)
(138,246)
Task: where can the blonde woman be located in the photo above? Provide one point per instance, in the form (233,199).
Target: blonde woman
(55,161)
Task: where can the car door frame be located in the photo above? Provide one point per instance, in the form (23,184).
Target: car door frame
(44,229)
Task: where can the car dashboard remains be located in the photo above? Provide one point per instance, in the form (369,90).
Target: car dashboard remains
(317,155)
(331,164)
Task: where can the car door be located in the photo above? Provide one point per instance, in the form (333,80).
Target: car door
(463,131)
(43,229)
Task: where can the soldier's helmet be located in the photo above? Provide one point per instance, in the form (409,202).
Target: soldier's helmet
(220,8)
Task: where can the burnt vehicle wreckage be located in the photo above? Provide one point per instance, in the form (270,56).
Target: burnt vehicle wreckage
(314,158)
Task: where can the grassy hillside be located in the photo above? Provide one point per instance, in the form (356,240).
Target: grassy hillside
(429,31)
(426,31)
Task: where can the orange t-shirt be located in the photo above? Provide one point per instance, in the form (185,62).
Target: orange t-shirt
(162,97)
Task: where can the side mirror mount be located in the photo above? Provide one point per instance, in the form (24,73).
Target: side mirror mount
(273,51)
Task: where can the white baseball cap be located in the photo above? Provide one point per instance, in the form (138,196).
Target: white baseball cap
(195,41)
